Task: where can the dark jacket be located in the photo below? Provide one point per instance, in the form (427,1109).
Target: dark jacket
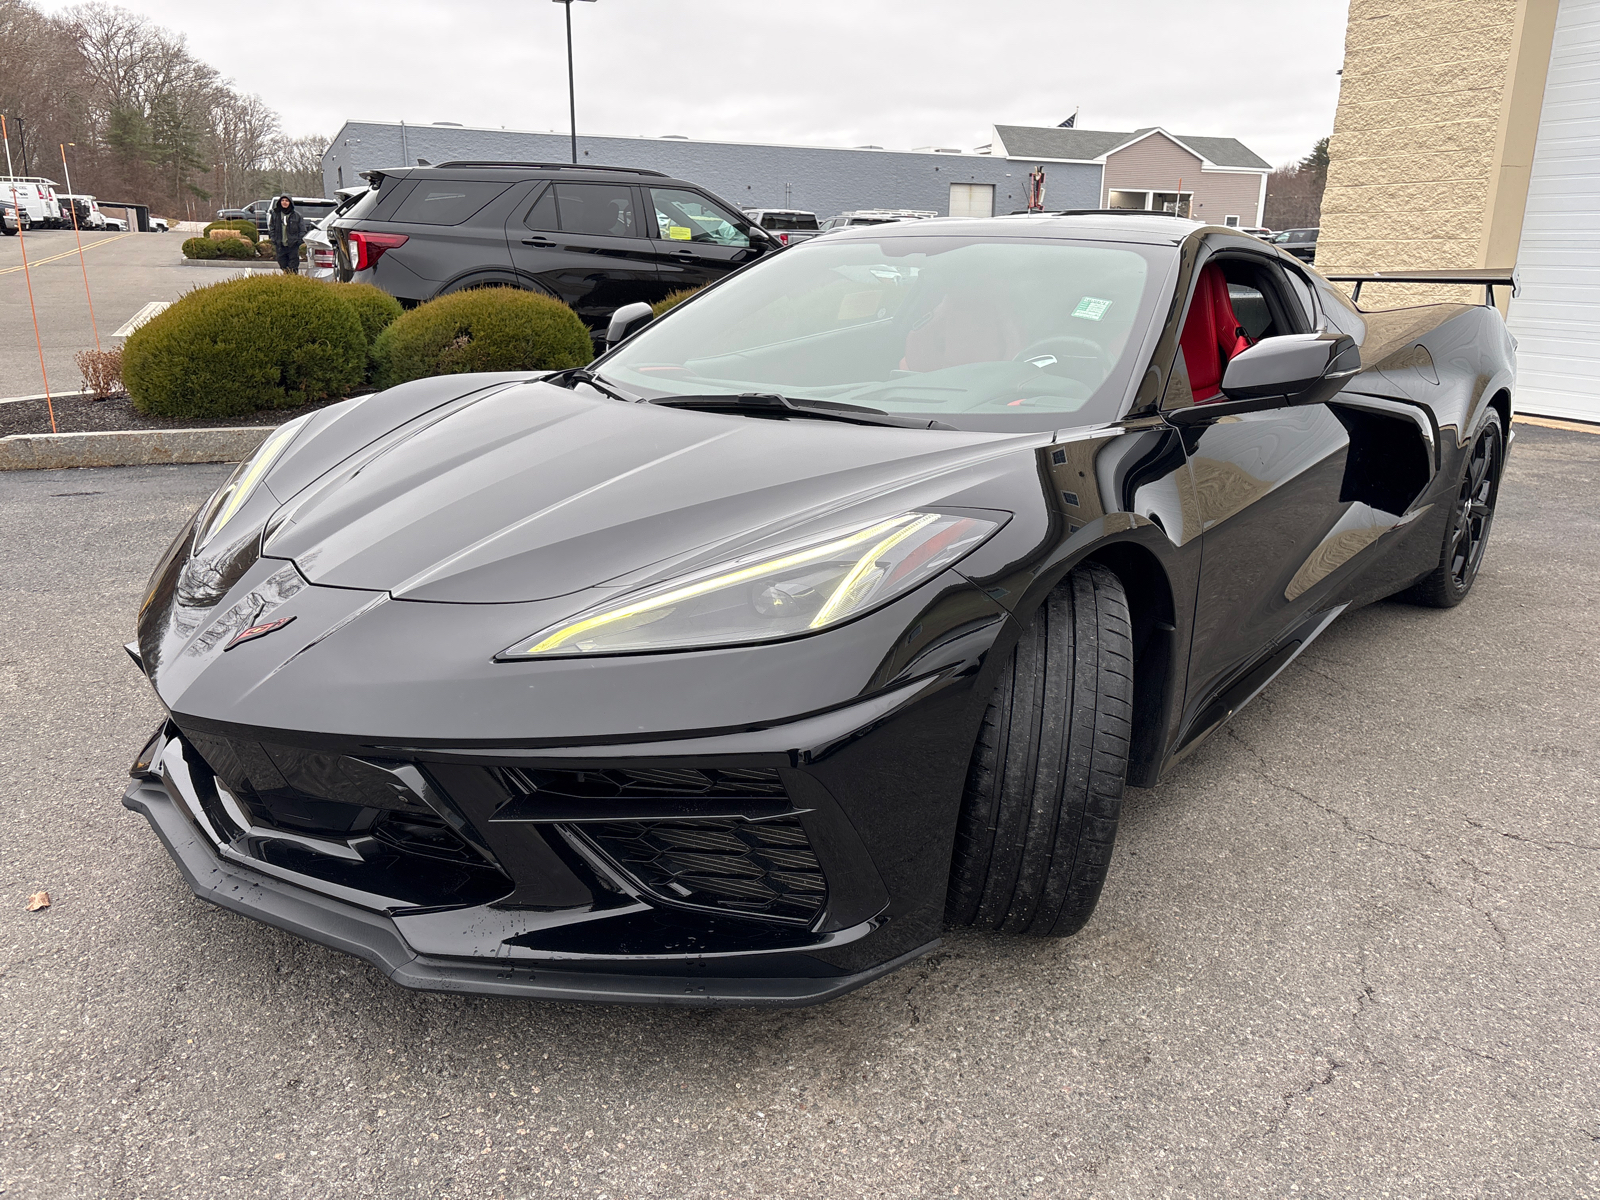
(286,229)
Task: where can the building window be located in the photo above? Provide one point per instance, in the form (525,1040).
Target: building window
(972,199)
(1231,222)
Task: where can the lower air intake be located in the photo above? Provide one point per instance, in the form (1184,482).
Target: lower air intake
(757,868)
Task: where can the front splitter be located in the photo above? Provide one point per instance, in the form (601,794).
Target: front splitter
(375,938)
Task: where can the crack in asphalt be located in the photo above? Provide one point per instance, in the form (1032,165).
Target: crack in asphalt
(1551,846)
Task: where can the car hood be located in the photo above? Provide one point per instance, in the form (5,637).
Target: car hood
(533,491)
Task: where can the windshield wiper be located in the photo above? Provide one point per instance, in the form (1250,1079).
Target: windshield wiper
(584,375)
(767,404)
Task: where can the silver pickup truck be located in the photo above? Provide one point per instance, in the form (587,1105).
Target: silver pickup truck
(788,225)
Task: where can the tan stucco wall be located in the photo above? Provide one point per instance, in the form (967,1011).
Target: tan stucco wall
(1433,137)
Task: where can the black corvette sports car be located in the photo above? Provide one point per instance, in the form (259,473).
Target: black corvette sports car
(837,605)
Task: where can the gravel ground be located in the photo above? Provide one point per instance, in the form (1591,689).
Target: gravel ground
(1347,950)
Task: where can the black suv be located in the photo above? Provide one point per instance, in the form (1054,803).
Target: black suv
(596,238)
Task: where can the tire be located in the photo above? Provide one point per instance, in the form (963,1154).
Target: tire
(1466,535)
(1044,790)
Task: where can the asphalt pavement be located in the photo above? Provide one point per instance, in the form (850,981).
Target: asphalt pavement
(1349,949)
(125,270)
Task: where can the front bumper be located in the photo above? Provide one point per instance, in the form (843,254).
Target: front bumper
(554,907)
(376,938)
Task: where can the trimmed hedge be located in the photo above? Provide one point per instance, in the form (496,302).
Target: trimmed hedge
(267,341)
(235,248)
(248,228)
(375,308)
(485,329)
(199,247)
(671,300)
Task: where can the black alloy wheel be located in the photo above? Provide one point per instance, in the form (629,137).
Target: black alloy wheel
(1044,791)
(1467,534)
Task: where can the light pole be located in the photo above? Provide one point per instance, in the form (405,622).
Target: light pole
(572,94)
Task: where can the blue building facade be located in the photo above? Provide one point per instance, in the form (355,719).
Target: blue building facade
(749,175)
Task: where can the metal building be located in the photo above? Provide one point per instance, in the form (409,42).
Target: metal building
(753,175)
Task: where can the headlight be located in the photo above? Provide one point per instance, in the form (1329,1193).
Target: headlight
(780,594)
(231,495)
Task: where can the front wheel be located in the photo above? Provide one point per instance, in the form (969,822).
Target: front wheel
(1467,535)
(1044,790)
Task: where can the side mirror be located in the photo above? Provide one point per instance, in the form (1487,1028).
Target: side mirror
(1298,368)
(627,321)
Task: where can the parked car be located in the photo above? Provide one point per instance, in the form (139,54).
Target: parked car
(837,604)
(158,225)
(254,211)
(34,195)
(1302,243)
(1257,231)
(788,225)
(596,238)
(11,223)
(88,210)
(322,255)
(875,216)
(116,224)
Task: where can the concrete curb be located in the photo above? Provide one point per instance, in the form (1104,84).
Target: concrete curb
(129,447)
(243,264)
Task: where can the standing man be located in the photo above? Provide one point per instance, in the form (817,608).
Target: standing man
(286,229)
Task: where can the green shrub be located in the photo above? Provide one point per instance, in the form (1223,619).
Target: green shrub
(248,228)
(375,308)
(485,329)
(672,300)
(234,248)
(265,341)
(200,248)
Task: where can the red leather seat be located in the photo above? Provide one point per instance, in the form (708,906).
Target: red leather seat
(1212,334)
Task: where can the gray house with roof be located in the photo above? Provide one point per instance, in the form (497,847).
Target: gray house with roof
(1083,168)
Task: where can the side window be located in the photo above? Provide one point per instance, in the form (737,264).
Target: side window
(445,202)
(1340,313)
(543,213)
(1250,307)
(683,216)
(1300,288)
(596,209)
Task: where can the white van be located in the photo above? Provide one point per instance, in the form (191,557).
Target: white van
(89,214)
(36,196)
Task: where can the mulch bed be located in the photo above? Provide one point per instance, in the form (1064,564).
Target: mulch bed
(75,414)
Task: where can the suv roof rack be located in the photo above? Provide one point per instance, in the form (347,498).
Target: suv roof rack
(1098,212)
(489,162)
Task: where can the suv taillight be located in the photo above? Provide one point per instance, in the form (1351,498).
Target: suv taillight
(784,238)
(367,248)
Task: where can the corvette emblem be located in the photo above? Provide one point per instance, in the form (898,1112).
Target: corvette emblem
(256,631)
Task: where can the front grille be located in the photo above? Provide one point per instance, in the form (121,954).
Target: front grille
(647,783)
(759,868)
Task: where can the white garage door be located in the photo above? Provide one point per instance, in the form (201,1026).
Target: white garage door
(1556,315)
(972,199)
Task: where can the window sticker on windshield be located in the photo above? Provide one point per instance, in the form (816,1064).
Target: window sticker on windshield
(1091,309)
(680,233)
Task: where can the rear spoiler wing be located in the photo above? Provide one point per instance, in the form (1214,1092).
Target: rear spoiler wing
(1488,278)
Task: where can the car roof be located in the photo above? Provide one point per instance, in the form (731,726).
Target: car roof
(1150,228)
(475,170)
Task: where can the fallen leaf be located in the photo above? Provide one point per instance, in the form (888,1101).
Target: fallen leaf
(38,900)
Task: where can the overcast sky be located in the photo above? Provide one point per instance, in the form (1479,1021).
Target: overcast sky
(893,73)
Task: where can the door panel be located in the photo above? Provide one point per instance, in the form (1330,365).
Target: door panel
(694,240)
(581,243)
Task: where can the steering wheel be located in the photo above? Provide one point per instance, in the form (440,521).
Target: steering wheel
(1065,346)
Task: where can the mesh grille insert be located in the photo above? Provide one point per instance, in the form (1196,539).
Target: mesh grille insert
(763,868)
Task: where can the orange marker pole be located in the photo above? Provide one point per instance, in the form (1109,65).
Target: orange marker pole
(5,136)
(93,324)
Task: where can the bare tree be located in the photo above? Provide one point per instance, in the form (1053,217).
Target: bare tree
(1294,191)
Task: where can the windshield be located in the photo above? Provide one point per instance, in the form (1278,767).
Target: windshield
(985,334)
